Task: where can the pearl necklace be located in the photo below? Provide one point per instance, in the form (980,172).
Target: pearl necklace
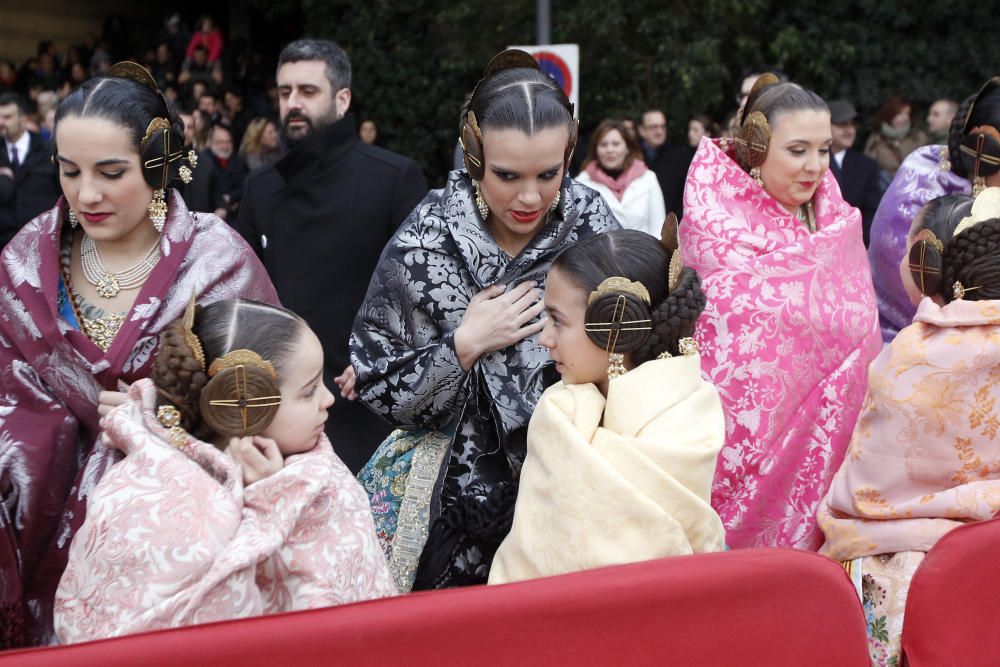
(110,283)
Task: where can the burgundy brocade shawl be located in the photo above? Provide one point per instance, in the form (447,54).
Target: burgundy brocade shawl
(50,379)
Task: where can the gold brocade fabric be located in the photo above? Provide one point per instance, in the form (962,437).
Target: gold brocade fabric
(102,330)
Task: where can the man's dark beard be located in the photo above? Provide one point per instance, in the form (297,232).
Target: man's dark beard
(295,115)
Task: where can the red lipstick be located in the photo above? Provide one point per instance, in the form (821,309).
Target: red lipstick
(96,217)
(525,217)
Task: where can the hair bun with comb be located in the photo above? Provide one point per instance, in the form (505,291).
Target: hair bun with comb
(618,315)
(242,397)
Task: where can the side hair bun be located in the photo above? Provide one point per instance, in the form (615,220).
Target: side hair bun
(243,395)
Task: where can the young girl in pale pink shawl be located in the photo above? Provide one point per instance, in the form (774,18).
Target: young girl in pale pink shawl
(925,456)
(230,501)
(791,323)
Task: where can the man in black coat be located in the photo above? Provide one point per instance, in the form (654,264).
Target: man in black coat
(29,181)
(856,173)
(217,186)
(319,218)
(669,163)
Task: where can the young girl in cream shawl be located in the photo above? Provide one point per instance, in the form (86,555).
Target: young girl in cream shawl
(230,501)
(622,451)
(925,457)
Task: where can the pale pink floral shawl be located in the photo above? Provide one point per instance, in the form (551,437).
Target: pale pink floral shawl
(925,457)
(173,538)
(789,330)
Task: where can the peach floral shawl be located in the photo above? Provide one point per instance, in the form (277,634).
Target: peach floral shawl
(925,456)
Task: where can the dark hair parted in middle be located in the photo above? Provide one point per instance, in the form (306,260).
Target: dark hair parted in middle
(639,257)
(133,106)
(519,99)
(224,326)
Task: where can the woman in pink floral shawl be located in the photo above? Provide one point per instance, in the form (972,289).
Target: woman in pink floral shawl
(791,322)
(925,456)
(59,349)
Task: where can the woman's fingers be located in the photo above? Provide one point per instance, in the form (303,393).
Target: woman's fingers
(491,292)
(530,329)
(530,298)
(528,314)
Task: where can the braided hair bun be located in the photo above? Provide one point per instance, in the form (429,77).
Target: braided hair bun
(617,320)
(240,400)
(640,258)
(179,377)
(973,259)
(247,346)
(674,318)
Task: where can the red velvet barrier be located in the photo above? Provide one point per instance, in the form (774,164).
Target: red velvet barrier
(751,607)
(954,601)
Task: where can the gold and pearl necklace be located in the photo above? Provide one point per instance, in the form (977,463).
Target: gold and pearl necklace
(110,283)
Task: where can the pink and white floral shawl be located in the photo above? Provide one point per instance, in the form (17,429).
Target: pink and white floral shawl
(925,456)
(172,537)
(789,330)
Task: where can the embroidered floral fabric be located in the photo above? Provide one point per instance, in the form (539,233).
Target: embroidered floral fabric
(403,350)
(925,455)
(790,327)
(399,480)
(172,537)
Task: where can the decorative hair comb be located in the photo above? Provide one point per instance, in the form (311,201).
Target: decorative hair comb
(619,284)
(190,337)
(134,71)
(238,358)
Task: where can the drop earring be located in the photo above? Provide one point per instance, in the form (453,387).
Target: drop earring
(158,210)
(74,221)
(755,175)
(555,202)
(616,365)
(484,209)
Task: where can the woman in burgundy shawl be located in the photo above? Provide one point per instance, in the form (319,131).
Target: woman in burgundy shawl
(65,338)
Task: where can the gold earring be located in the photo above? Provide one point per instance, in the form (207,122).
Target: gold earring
(158,210)
(664,355)
(687,346)
(755,175)
(73,220)
(185,175)
(616,367)
(555,202)
(978,185)
(484,209)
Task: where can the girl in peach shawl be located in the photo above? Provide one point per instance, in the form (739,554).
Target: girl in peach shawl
(925,456)
(791,323)
(230,501)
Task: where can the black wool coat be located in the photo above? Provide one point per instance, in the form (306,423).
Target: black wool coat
(859,184)
(33,190)
(319,219)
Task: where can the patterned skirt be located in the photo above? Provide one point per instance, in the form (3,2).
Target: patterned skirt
(883,582)
(399,480)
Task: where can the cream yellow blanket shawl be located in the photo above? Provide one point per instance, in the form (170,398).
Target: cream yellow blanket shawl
(634,488)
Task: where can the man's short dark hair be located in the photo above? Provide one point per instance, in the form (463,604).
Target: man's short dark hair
(642,116)
(338,65)
(13,98)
